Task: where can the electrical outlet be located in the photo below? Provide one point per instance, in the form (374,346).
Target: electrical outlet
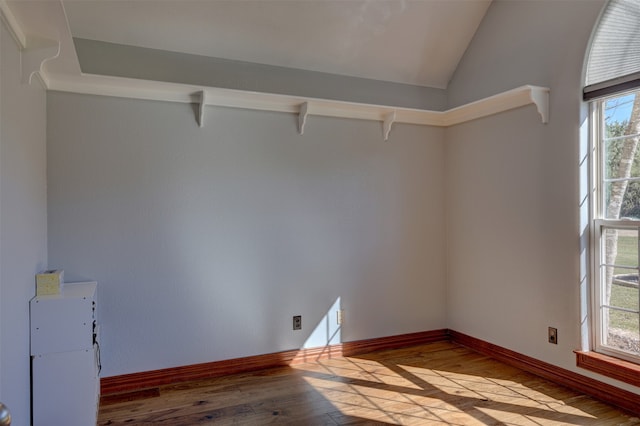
(553,335)
(340,316)
(297,322)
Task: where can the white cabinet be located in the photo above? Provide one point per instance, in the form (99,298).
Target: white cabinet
(65,357)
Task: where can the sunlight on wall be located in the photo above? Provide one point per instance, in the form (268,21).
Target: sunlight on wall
(327,332)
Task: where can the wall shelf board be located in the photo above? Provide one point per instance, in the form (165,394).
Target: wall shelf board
(303,107)
(511,99)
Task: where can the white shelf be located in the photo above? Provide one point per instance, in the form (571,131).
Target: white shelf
(305,107)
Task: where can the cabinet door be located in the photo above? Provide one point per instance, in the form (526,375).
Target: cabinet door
(65,388)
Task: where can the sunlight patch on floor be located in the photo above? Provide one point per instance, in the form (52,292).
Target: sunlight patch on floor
(509,418)
(370,372)
(511,392)
(405,394)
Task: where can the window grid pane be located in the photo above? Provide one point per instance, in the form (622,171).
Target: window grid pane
(619,292)
(617,150)
(617,221)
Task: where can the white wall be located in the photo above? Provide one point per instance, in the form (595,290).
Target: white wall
(23,222)
(206,241)
(512,183)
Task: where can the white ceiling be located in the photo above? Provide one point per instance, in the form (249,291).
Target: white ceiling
(417,42)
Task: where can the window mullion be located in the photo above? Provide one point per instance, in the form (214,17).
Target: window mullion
(617,308)
(629,179)
(605,265)
(617,138)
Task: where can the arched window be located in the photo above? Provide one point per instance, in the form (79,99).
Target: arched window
(612,88)
(613,65)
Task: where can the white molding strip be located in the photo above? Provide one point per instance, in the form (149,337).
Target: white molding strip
(12,25)
(34,51)
(34,56)
(303,107)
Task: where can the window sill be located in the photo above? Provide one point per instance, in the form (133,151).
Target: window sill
(609,366)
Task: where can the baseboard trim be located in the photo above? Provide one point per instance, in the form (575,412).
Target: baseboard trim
(621,398)
(394,342)
(149,379)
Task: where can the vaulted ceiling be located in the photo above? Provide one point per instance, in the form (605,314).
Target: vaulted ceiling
(385,60)
(417,42)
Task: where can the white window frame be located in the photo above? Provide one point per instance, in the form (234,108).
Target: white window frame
(598,225)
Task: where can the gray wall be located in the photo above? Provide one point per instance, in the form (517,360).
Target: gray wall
(97,57)
(513,230)
(23,232)
(206,241)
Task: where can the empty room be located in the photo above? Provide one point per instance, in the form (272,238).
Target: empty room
(319,212)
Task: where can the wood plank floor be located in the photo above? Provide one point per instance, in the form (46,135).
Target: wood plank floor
(439,383)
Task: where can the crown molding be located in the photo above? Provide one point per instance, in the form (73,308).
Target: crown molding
(34,57)
(12,24)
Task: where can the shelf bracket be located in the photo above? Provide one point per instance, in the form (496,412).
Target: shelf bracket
(540,97)
(302,116)
(389,119)
(203,104)
(34,56)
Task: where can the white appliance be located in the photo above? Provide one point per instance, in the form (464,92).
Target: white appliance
(65,356)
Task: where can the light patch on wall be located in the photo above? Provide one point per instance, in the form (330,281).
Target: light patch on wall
(327,331)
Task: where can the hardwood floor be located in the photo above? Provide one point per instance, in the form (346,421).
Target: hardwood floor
(438,383)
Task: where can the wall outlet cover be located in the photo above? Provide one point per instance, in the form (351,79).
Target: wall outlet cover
(297,322)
